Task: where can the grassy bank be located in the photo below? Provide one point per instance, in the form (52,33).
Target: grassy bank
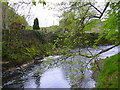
(108,78)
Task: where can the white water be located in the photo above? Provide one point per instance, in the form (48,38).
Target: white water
(54,78)
(59,77)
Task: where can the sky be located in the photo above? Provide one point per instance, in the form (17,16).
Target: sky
(46,17)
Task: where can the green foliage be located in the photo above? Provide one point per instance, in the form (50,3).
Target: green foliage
(36,24)
(43,2)
(111,23)
(39,1)
(41,36)
(33,2)
(21,47)
(3,2)
(29,28)
(13,17)
(70,34)
(113,16)
(94,26)
(74,28)
(108,78)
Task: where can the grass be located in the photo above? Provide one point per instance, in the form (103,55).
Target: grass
(108,78)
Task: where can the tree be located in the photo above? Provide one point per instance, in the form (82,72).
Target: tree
(14,18)
(111,24)
(36,24)
(15,8)
(79,16)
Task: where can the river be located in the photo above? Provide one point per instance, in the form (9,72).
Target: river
(57,72)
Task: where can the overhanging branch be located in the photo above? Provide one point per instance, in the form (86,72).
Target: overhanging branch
(100,51)
(107,49)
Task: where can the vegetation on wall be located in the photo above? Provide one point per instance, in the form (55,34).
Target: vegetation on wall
(13,17)
(20,47)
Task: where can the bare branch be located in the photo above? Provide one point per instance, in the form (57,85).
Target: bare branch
(96,8)
(99,11)
(105,9)
(100,51)
(107,49)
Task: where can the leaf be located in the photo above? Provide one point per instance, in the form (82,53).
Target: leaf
(86,42)
(4,2)
(43,2)
(82,76)
(94,47)
(72,77)
(72,63)
(89,69)
(70,70)
(81,63)
(82,69)
(86,54)
(14,3)
(27,49)
(110,33)
(47,62)
(77,71)
(34,3)
(77,59)
(38,71)
(50,59)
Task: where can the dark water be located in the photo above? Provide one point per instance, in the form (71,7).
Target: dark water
(54,74)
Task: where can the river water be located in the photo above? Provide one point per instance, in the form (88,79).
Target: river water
(58,72)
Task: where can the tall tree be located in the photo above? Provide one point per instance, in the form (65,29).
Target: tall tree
(36,24)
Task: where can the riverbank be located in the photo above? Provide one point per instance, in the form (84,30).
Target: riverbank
(14,68)
(20,48)
(36,60)
(108,77)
